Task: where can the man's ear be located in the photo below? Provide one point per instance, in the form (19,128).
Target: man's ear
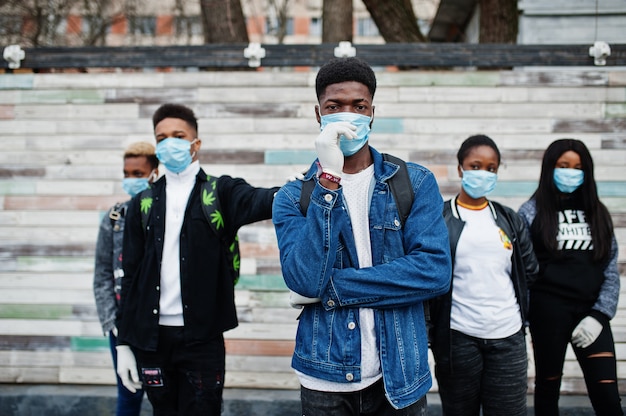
(372,117)
(459,170)
(318,117)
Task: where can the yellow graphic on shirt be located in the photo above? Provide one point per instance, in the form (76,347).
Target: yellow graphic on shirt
(506,242)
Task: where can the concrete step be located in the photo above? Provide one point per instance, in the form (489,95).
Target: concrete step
(80,400)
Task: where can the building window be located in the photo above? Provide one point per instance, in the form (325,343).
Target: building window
(366,27)
(142,25)
(94,24)
(315,28)
(272,26)
(188,26)
(59,25)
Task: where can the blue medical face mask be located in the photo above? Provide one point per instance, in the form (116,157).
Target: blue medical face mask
(362,123)
(132,186)
(174,153)
(568,180)
(478,183)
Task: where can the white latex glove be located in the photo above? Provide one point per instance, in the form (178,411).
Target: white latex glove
(327,146)
(297,301)
(114,330)
(586,332)
(127,368)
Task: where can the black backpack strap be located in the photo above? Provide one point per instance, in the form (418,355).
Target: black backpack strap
(401,187)
(214,215)
(305,195)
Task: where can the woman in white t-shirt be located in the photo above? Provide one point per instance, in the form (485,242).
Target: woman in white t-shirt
(478,334)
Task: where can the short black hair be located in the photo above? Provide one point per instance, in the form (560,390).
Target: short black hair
(175,111)
(476,141)
(345,69)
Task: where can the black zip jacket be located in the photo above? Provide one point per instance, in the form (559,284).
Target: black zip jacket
(207,287)
(523,272)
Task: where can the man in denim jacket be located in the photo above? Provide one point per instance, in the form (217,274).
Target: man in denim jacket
(359,273)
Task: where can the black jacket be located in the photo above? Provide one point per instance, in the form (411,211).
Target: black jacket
(207,287)
(524,266)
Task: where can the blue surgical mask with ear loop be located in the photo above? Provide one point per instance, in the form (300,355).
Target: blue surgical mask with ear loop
(567,180)
(133,186)
(174,153)
(360,121)
(478,183)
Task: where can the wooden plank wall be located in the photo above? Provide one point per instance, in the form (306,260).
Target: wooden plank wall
(60,169)
(550,22)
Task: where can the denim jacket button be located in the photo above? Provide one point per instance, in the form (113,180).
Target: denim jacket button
(349,377)
(154,311)
(396,222)
(331,303)
(328,197)
(351,325)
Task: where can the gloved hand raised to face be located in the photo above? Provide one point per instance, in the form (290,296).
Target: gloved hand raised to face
(127,368)
(327,146)
(586,332)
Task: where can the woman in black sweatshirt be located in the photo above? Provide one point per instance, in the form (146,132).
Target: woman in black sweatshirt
(576,293)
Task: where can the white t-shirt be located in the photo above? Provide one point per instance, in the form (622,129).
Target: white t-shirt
(356,189)
(484,304)
(178,188)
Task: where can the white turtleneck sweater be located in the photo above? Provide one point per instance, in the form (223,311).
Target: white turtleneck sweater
(178,187)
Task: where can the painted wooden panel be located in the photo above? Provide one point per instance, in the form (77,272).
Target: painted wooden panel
(494,110)
(76,111)
(257,95)
(59,176)
(558,29)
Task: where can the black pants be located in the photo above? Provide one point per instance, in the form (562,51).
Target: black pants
(183,379)
(487,373)
(552,321)
(370,401)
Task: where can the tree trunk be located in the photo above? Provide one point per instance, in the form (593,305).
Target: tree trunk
(337,23)
(223,21)
(396,20)
(499,21)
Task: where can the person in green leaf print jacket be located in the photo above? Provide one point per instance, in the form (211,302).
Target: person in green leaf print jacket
(178,290)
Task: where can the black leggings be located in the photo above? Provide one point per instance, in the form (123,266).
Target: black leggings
(552,320)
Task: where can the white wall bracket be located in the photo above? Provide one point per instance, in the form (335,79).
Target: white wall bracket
(600,50)
(254,52)
(345,50)
(14,55)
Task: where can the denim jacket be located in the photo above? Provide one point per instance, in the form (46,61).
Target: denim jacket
(410,265)
(108,272)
